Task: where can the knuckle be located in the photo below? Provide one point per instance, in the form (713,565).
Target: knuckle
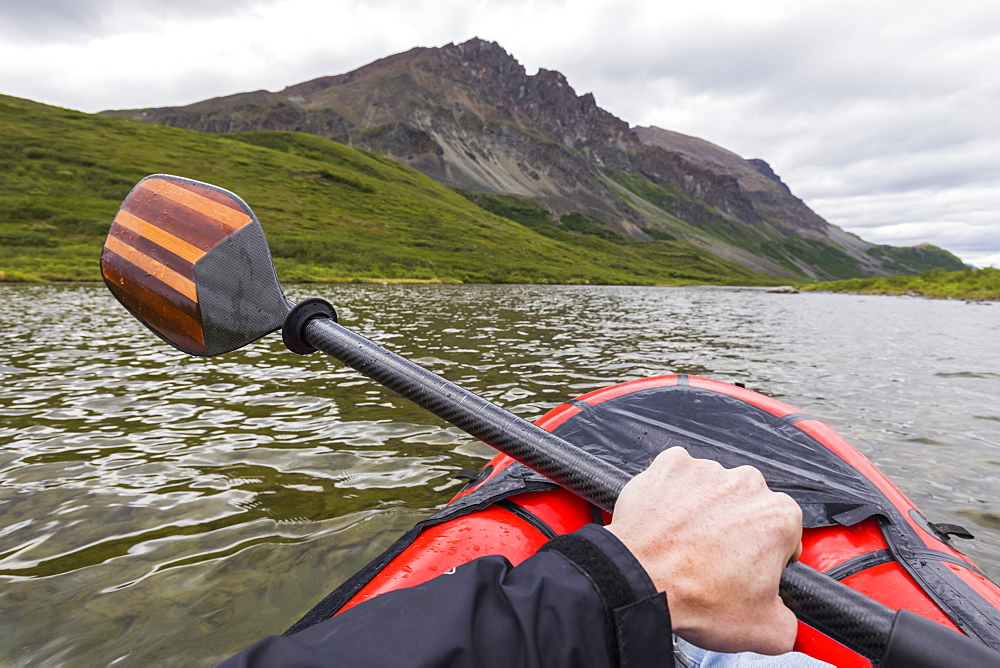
(711,467)
(791,508)
(749,476)
(671,455)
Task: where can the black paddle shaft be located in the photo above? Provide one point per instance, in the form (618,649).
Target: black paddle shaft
(560,461)
(858,622)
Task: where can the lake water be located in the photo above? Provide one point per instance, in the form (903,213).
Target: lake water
(163,509)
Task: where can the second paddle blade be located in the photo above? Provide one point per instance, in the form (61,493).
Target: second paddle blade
(190,261)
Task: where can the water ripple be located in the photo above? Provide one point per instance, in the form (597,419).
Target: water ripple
(185,506)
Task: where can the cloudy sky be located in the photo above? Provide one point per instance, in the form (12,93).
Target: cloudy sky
(883,115)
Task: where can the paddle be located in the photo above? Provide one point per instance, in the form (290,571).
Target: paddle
(190,261)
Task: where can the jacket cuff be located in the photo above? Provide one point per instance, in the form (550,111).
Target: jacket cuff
(637,613)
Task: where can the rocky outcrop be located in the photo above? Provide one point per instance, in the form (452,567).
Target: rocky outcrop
(470,116)
(767,172)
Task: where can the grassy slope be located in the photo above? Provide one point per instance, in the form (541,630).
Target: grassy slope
(966,284)
(916,259)
(784,250)
(330,212)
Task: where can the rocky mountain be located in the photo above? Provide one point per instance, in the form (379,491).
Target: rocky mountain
(472,118)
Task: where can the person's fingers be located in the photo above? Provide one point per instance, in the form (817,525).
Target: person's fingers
(788,524)
(794,524)
(777,631)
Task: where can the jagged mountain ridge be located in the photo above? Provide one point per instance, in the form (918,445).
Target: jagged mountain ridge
(469,116)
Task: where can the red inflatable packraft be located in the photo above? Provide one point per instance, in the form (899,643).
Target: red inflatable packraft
(859,528)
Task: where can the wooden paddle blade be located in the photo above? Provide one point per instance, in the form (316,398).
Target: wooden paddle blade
(190,261)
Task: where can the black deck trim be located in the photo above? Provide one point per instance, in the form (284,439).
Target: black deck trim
(862,562)
(868,560)
(528,517)
(792,418)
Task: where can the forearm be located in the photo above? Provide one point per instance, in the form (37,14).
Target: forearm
(580,601)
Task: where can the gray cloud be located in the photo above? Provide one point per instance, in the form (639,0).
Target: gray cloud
(880,115)
(49,20)
(78,21)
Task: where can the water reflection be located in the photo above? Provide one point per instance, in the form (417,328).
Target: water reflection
(155,506)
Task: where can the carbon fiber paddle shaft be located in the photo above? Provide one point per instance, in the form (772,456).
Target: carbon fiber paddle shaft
(847,616)
(829,606)
(556,459)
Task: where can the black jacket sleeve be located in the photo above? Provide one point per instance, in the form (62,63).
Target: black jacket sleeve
(582,600)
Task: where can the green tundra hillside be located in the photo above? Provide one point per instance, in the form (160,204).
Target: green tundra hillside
(331,213)
(966,284)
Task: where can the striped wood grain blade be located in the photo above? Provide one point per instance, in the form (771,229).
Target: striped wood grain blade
(157,261)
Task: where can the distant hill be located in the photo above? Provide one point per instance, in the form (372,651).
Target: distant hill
(470,117)
(330,212)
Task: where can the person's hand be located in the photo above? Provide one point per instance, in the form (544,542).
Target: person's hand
(715,541)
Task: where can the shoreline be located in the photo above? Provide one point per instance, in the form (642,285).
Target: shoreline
(777,287)
(6,280)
